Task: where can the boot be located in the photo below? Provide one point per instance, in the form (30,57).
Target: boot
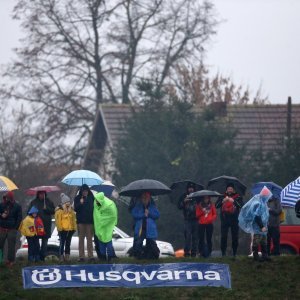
(67,257)
(61,258)
(255,253)
(265,256)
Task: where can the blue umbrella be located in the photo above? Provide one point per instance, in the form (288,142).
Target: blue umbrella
(273,187)
(291,193)
(80,177)
(106,187)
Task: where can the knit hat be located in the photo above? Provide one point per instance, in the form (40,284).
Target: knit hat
(33,210)
(10,195)
(64,198)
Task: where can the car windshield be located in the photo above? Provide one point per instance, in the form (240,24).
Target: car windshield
(290,217)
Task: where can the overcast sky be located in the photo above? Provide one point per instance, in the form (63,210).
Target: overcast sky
(257,44)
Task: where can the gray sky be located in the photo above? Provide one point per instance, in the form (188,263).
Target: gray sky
(257,44)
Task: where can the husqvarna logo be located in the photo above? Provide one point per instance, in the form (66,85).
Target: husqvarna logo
(46,276)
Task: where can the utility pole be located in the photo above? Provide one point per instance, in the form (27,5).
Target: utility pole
(289,121)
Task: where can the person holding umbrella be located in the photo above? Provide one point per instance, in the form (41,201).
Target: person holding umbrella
(46,209)
(145,213)
(229,206)
(10,219)
(188,206)
(84,205)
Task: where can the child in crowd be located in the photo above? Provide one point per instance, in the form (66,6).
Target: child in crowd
(32,228)
(65,219)
(206,215)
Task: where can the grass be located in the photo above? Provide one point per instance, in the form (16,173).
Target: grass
(278,279)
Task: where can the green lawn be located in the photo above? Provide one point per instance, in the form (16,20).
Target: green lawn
(279,279)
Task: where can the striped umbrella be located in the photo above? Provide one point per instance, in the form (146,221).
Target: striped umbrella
(6,184)
(291,193)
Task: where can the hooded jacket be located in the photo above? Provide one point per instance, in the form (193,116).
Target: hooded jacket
(254,214)
(44,213)
(31,226)
(14,217)
(84,211)
(105,217)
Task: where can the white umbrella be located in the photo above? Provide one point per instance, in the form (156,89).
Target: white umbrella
(291,193)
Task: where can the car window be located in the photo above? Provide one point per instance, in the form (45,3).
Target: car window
(290,217)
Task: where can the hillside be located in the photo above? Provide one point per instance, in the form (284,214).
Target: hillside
(279,279)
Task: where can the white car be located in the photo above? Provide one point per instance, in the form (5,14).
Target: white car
(122,243)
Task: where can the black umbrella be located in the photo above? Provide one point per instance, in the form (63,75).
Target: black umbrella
(136,188)
(204,193)
(179,188)
(220,183)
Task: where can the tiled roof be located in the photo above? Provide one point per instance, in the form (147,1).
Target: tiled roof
(258,126)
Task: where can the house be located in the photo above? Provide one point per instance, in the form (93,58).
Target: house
(259,127)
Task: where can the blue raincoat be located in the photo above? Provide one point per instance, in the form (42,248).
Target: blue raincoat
(255,207)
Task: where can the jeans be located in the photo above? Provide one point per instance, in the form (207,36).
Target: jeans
(11,236)
(205,229)
(190,235)
(33,248)
(65,241)
(234,226)
(274,236)
(106,250)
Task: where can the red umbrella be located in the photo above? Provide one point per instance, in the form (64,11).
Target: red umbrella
(45,188)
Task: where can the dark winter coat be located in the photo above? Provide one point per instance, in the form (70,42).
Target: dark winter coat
(188,208)
(275,210)
(44,213)
(84,211)
(14,218)
(232,217)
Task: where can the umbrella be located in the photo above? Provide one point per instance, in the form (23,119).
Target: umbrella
(106,187)
(273,187)
(179,188)
(203,193)
(291,193)
(80,177)
(137,187)
(6,184)
(45,188)
(220,183)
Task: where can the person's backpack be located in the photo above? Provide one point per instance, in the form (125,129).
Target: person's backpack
(228,208)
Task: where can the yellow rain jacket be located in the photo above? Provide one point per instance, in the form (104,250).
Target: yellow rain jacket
(65,221)
(29,228)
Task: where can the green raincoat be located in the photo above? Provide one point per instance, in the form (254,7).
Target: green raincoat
(105,217)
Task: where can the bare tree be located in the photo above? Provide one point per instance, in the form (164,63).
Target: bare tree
(77,54)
